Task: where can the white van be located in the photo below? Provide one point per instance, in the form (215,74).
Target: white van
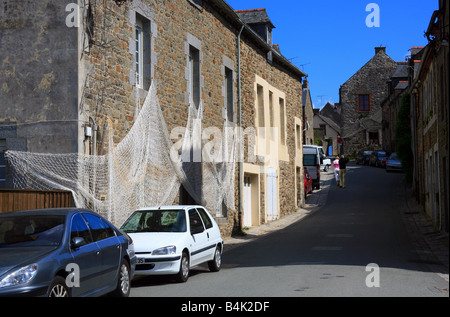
(313,156)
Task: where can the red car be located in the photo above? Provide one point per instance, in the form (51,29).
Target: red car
(307,181)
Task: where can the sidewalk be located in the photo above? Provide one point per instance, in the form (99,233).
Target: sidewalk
(430,245)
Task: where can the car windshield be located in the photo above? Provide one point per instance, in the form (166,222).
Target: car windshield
(31,230)
(309,160)
(381,153)
(367,152)
(156,221)
(393,156)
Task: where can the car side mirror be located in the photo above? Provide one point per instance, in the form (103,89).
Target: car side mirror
(77,242)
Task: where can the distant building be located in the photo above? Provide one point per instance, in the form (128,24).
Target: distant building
(327,127)
(360,102)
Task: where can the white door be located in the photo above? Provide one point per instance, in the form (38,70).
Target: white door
(247,202)
(272,197)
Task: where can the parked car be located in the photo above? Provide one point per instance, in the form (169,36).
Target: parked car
(311,160)
(170,240)
(62,253)
(393,163)
(326,163)
(363,157)
(307,182)
(378,158)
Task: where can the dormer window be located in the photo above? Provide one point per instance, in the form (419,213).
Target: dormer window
(259,22)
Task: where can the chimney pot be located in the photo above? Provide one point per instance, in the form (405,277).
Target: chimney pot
(380,49)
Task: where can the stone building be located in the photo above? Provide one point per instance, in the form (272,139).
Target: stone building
(360,100)
(396,85)
(430,105)
(327,128)
(84,68)
(308,113)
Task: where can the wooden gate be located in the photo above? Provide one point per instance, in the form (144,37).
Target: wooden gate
(18,199)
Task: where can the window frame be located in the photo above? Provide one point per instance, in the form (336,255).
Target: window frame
(139,51)
(367,102)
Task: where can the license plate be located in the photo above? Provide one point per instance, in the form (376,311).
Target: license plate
(140,261)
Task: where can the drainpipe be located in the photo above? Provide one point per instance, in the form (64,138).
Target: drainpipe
(94,137)
(240,127)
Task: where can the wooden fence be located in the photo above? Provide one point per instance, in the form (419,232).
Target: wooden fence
(15,200)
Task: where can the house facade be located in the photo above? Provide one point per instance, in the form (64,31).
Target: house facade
(98,60)
(396,85)
(430,121)
(360,102)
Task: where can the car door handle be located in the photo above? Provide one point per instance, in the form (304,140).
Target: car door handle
(207,234)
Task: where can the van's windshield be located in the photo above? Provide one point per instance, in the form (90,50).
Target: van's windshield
(309,160)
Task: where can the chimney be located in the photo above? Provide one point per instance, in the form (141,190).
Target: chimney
(305,84)
(380,49)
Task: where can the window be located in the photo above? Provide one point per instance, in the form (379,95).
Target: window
(229,98)
(364,103)
(373,138)
(194,76)
(139,53)
(205,217)
(98,228)
(195,223)
(282,121)
(2,163)
(298,134)
(143,53)
(271,116)
(31,231)
(309,160)
(260,101)
(80,229)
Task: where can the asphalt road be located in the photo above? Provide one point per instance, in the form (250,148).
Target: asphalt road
(355,245)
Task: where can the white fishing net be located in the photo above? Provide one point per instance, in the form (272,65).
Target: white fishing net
(145,169)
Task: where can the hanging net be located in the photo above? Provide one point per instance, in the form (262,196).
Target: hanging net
(145,169)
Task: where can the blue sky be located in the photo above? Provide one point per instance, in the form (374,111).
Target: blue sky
(329,39)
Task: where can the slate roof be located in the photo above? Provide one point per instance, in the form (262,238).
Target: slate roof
(400,72)
(255,16)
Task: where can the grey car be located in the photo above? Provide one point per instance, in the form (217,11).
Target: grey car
(393,164)
(62,253)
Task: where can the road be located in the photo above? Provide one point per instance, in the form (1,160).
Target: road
(354,245)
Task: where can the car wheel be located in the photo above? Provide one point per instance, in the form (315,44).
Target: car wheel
(183,274)
(123,284)
(214,265)
(58,288)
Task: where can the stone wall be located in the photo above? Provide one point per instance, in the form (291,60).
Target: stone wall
(371,79)
(38,77)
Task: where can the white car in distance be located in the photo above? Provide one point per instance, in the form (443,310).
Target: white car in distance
(170,240)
